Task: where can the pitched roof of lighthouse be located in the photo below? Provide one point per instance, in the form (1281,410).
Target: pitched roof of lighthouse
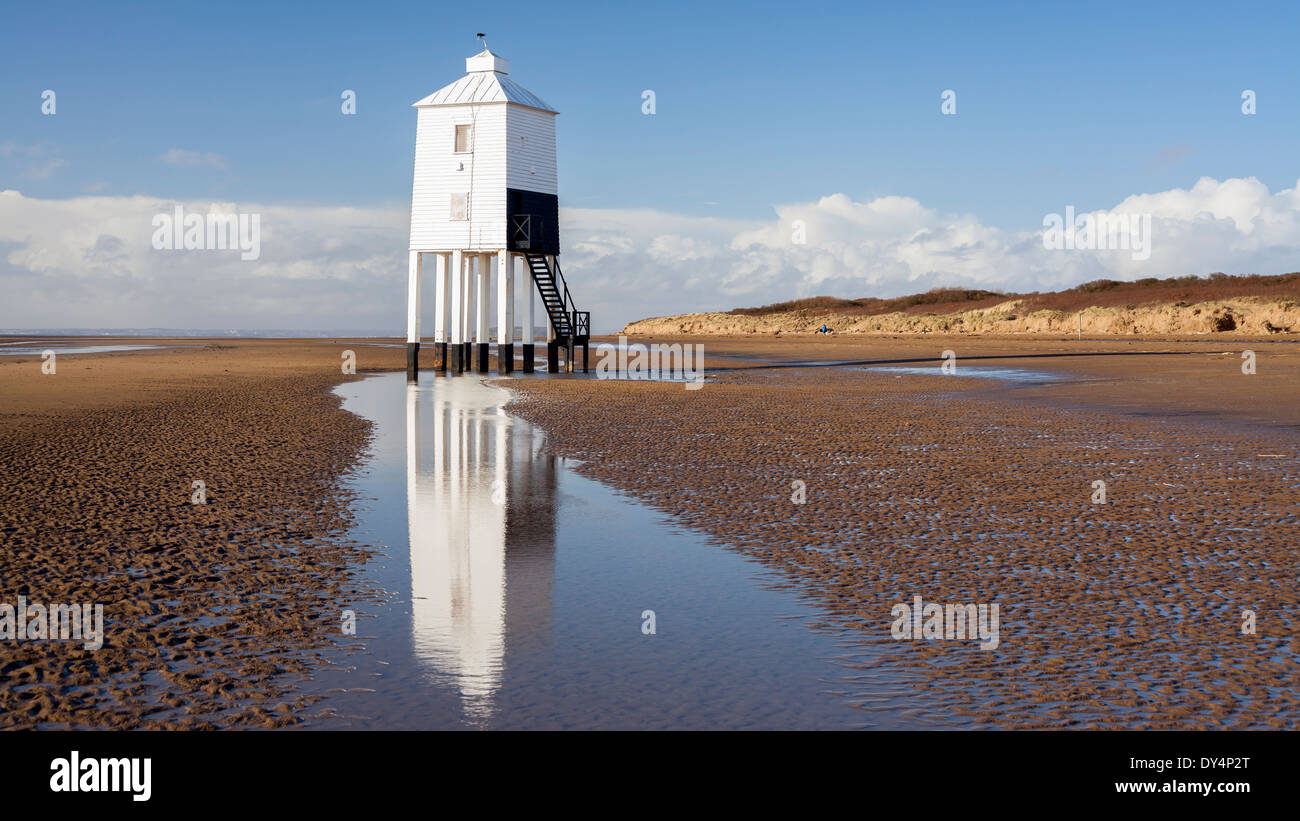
(486,82)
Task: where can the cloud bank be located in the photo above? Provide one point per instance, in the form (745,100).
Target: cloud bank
(89,261)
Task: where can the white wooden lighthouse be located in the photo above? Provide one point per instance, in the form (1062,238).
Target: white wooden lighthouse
(484,206)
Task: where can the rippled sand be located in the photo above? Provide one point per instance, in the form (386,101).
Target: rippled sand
(211,612)
(1126,614)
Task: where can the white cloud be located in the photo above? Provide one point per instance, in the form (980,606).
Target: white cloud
(651,263)
(89,262)
(33,162)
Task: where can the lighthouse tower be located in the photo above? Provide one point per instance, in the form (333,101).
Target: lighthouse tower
(484,206)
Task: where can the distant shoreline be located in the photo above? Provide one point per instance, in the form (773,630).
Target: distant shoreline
(1180,306)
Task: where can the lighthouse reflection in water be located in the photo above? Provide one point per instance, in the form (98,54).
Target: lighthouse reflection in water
(481,516)
(528,583)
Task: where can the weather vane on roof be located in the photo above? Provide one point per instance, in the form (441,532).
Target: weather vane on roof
(481,37)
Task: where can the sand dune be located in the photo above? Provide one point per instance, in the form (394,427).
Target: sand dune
(1243,306)
(1244,317)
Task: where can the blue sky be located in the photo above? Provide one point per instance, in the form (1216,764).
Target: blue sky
(758,104)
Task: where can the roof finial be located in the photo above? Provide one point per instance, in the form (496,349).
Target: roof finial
(481,36)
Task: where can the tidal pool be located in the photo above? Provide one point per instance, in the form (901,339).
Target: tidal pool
(518,594)
(1022,375)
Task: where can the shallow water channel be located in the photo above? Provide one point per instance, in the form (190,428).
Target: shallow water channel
(518,591)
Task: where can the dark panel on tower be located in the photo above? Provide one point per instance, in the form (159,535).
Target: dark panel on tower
(532,221)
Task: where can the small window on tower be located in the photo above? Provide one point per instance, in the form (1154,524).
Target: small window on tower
(464,139)
(460,206)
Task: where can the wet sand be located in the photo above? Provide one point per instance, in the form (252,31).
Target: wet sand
(212,612)
(1126,614)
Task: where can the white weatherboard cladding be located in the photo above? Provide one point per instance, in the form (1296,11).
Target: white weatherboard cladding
(513,147)
(440,172)
(531,156)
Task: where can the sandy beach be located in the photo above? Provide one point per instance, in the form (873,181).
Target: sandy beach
(211,611)
(1126,614)
(1123,614)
